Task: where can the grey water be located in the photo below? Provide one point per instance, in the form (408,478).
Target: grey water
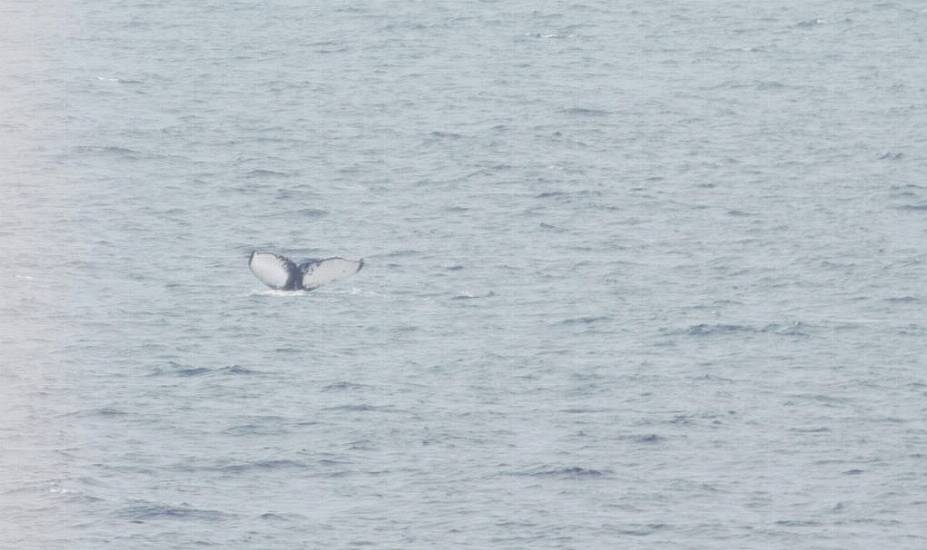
(638,274)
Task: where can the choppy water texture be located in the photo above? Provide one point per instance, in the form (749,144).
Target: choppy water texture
(639,274)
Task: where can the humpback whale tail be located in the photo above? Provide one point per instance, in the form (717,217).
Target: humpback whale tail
(281,273)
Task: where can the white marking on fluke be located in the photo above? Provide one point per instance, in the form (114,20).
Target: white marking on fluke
(280,273)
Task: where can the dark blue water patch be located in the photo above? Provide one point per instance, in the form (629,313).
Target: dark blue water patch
(568,472)
(149,511)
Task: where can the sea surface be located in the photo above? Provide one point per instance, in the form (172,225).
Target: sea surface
(638,274)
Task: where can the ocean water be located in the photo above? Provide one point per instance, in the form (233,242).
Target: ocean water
(638,274)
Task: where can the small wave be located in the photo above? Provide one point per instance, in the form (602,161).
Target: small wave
(363,407)
(809,23)
(255,429)
(270,516)
(903,300)
(469,296)
(119,80)
(263,465)
(792,329)
(796,328)
(551,194)
(446,135)
(918,206)
(769,85)
(584,410)
(820,430)
(264,173)
(586,320)
(398,253)
(643,530)
(175,369)
(798,523)
(343,386)
(890,155)
(151,511)
(568,195)
(237,370)
(106,150)
(100,411)
(195,371)
(585,111)
(304,213)
(703,329)
(575,472)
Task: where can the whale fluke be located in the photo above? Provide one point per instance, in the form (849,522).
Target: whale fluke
(316,273)
(281,273)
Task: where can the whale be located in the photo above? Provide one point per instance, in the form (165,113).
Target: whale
(281,273)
